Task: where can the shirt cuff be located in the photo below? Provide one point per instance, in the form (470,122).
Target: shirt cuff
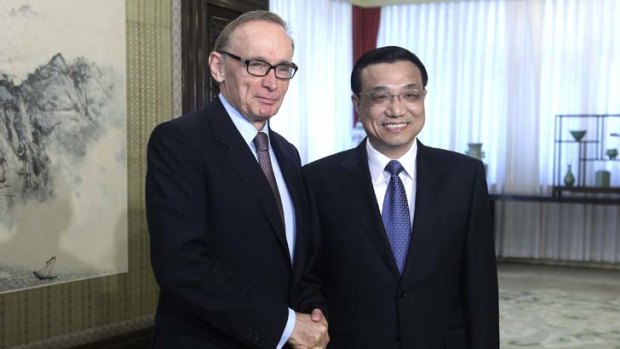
(288,329)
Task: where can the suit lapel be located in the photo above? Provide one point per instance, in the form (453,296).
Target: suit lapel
(244,163)
(428,182)
(356,183)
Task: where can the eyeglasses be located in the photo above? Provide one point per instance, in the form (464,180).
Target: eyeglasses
(258,67)
(383,98)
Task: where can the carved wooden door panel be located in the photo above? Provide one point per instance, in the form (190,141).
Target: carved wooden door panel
(202,21)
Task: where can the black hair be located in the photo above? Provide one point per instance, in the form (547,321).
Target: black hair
(386,54)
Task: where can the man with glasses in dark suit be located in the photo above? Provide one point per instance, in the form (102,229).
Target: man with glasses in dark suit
(228,211)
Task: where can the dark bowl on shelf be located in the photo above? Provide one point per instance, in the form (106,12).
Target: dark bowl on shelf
(578,134)
(612,153)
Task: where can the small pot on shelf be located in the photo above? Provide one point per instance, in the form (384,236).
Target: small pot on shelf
(569,178)
(578,134)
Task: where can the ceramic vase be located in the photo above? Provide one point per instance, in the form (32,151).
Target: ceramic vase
(602,178)
(569,178)
(475,150)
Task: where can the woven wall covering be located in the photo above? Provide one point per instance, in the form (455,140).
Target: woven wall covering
(75,313)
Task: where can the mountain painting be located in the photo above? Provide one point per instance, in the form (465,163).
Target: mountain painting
(63,148)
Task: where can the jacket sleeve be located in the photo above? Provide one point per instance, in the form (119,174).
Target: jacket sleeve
(481,291)
(311,295)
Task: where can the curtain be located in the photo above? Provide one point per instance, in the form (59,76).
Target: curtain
(499,72)
(365,30)
(316,113)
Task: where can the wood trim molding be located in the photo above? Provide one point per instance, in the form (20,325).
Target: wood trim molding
(139,339)
(379,3)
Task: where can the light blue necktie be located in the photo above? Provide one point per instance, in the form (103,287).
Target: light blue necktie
(396,215)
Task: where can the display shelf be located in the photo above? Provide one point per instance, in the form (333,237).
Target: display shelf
(586,153)
(586,189)
(566,199)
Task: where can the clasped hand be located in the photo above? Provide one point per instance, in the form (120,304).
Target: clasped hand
(310,331)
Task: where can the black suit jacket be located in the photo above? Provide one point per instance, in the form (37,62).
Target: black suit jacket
(218,246)
(447,295)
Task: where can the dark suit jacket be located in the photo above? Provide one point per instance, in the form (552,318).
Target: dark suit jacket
(447,295)
(218,246)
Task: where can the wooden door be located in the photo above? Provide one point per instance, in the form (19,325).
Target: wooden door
(202,21)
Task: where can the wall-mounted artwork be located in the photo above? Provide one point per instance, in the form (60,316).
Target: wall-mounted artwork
(63,158)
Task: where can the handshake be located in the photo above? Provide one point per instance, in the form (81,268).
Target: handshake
(310,331)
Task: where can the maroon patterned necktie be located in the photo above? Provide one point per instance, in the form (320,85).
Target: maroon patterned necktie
(261,142)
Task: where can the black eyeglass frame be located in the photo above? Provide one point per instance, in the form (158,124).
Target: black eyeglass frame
(292,66)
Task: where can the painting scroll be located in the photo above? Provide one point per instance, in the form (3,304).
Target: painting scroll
(63,158)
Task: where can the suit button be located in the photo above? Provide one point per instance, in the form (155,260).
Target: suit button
(402,294)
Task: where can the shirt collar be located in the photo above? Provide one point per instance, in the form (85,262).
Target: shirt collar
(378,161)
(245,127)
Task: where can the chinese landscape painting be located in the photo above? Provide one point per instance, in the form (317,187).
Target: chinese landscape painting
(63,148)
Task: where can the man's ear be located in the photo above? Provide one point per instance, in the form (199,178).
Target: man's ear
(216,66)
(356,103)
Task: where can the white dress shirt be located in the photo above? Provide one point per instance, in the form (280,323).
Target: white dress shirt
(381,178)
